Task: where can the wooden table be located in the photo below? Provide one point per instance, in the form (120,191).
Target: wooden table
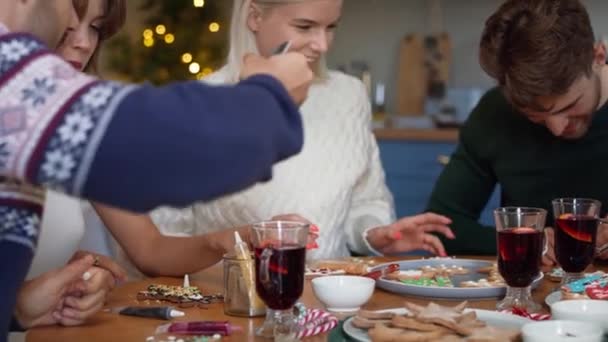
(113,327)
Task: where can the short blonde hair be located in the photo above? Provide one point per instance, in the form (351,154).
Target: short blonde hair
(242,40)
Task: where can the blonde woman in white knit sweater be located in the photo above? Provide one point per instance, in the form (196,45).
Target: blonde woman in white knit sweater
(337,181)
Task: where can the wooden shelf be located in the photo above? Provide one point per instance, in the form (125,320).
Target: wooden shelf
(433,135)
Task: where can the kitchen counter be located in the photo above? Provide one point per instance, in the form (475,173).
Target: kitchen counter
(432,135)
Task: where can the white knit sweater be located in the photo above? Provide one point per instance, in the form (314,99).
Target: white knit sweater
(337,181)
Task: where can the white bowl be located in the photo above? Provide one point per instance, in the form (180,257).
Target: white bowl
(558,331)
(582,310)
(343,293)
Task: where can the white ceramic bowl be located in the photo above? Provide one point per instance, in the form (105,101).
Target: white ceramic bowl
(582,310)
(558,331)
(343,293)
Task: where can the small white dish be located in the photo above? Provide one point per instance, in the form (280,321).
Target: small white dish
(343,293)
(588,310)
(562,331)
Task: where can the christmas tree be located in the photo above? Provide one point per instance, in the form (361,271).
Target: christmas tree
(182,39)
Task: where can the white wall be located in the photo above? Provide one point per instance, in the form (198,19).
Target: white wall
(371,30)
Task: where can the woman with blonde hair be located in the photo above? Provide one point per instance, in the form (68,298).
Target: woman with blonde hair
(337,181)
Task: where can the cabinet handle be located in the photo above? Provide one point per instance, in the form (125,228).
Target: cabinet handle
(443,159)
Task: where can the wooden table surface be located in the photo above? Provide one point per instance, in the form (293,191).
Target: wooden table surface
(113,327)
(447,135)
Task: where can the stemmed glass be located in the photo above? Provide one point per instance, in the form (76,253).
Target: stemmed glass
(280,257)
(576,224)
(520,239)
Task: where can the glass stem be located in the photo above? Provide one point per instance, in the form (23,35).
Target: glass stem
(570,277)
(284,326)
(267,328)
(520,296)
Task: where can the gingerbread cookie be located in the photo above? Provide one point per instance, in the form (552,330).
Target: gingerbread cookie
(444,270)
(348,267)
(409,275)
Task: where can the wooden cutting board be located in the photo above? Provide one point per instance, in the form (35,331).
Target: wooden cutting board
(414,78)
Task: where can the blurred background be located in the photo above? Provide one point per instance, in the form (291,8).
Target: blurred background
(416,56)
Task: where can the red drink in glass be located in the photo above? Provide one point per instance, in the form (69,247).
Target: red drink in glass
(575,238)
(285,282)
(519,255)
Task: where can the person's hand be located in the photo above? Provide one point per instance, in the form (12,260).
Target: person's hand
(412,233)
(88,298)
(549,259)
(313,230)
(104,262)
(602,239)
(40,299)
(291,69)
(224,240)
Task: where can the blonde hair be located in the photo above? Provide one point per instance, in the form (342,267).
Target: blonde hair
(242,40)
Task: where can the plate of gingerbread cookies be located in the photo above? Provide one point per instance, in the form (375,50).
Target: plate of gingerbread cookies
(433,323)
(446,278)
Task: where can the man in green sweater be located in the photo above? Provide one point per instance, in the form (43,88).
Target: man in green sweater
(542,133)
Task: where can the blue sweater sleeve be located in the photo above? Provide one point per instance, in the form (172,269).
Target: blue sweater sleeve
(189,141)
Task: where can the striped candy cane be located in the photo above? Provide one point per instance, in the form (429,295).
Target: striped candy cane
(316,322)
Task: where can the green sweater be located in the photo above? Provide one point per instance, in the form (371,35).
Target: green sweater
(499,146)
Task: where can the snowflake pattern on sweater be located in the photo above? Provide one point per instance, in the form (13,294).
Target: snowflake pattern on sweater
(52,119)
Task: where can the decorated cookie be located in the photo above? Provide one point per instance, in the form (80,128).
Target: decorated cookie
(578,286)
(556,274)
(598,290)
(188,296)
(445,270)
(422,281)
(310,271)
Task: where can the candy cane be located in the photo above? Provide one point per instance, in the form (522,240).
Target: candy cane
(317,322)
(533,316)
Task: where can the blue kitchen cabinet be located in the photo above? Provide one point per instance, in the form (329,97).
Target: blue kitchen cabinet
(412,167)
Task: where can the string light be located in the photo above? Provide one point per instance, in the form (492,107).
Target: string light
(207,71)
(148,34)
(148,42)
(199,3)
(161,29)
(214,27)
(169,38)
(194,68)
(187,58)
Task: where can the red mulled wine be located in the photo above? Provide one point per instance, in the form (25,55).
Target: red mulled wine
(575,237)
(519,255)
(285,284)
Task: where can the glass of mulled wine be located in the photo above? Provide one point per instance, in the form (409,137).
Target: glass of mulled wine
(280,257)
(520,240)
(576,224)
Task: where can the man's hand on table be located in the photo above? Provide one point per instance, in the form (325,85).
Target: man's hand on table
(549,259)
(602,239)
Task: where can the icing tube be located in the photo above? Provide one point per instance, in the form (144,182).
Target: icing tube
(208,328)
(162,312)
